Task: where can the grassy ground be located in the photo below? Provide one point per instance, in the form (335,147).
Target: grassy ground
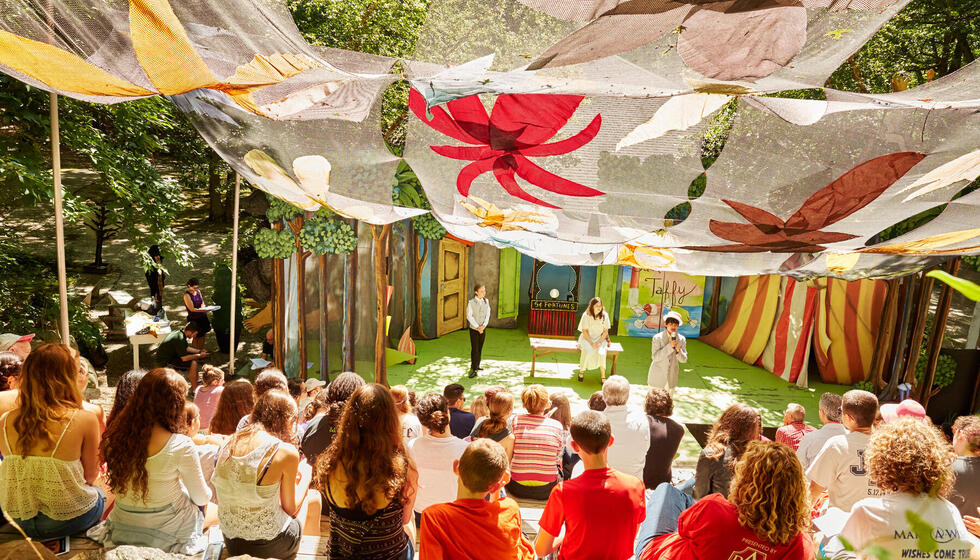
(709,382)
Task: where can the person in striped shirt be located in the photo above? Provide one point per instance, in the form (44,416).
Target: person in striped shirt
(538,442)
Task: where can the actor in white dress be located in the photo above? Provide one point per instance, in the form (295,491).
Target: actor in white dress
(668,350)
(594,339)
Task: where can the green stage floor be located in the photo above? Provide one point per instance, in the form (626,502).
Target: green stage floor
(709,382)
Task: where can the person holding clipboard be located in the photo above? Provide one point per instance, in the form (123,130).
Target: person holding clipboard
(668,350)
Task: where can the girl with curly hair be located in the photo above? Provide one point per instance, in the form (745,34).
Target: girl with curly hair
(766,515)
(367,480)
(434,453)
(737,426)
(50,450)
(154,471)
(321,430)
(262,484)
(236,402)
(124,390)
(912,464)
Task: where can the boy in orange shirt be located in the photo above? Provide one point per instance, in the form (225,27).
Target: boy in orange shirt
(477,525)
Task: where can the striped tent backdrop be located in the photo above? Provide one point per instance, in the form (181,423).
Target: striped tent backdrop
(787,352)
(847,321)
(750,318)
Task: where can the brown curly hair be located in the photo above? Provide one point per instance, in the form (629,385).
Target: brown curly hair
(236,401)
(770,492)
(367,451)
(158,400)
(47,393)
(734,429)
(659,402)
(909,456)
(10,365)
(433,412)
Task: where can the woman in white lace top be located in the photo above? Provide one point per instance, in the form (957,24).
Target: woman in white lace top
(263,504)
(154,470)
(50,449)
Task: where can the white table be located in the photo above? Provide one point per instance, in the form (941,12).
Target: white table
(138,339)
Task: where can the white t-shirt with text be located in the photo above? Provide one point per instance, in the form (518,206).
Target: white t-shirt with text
(839,467)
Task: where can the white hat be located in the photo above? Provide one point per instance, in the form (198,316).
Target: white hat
(9,339)
(313,383)
(673,315)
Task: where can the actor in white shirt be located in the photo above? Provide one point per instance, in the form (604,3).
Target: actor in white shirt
(669,349)
(478,316)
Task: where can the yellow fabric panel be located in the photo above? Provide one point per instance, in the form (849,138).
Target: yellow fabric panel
(865,308)
(760,334)
(835,329)
(741,314)
(163,49)
(62,70)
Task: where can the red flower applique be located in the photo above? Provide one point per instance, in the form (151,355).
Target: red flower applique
(516,129)
(801,233)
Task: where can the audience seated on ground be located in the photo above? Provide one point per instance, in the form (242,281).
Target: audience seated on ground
(494,426)
(597,401)
(269,379)
(731,434)
(630,427)
(206,396)
(560,409)
(154,471)
(124,390)
(10,366)
(367,480)
(839,468)
(50,450)
(262,484)
(766,515)
(19,344)
(311,388)
(477,525)
(537,447)
(411,427)
(812,443)
(82,380)
(207,445)
(320,431)
(911,464)
(460,421)
(601,509)
(175,351)
(793,428)
(235,403)
(966,467)
(479,407)
(434,453)
(665,438)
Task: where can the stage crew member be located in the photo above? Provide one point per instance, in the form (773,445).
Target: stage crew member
(478,316)
(669,349)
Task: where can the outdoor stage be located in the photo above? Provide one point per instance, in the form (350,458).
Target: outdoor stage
(710,380)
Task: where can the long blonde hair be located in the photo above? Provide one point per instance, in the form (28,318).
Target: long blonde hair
(47,391)
(770,492)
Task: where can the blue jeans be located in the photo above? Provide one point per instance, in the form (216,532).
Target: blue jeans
(664,506)
(42,528)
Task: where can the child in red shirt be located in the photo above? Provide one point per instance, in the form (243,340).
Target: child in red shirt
(472,526)
(601,509)
(773,527)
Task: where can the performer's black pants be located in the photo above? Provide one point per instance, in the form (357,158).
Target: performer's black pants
(476,347)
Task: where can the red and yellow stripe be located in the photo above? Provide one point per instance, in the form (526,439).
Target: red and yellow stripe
(848,317)
(788,350)
(750,318)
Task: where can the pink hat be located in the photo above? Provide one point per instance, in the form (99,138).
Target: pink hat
(889,412)
(910,408)
(9,339)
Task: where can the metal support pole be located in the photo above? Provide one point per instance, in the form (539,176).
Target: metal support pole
(234,279)
(59,219)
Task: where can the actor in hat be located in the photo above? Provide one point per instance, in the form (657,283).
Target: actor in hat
(16,343)
(669,348)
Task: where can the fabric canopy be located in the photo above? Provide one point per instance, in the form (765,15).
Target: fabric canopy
(571,132)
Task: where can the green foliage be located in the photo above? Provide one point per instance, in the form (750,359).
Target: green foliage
(322,235)
(923,532)
(865,385)
(972,261)
(945,370)
(965,287)
(29,292)
(717,130)
(272,244)
(408,192)
(280,210)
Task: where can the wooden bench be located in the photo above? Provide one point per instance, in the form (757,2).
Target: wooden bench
(541,346)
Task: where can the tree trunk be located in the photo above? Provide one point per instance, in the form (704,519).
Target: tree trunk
(381,235)
(419,266)
(350,293)
(938,333)
(216,209)
(923,298)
